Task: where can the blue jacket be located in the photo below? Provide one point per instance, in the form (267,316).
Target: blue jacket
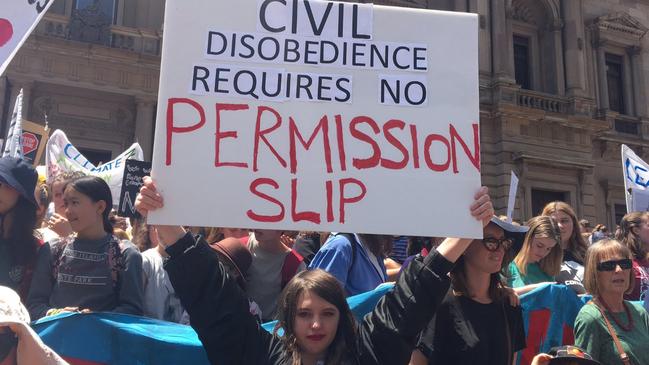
(335,257)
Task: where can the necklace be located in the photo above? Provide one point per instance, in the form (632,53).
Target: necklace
(629,319)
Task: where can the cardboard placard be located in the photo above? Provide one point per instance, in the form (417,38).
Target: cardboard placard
(134,171)
(322,116)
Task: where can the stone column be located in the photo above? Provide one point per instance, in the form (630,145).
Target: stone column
(574,48)
(460,5)
(601,75)
(503,43)
(558,58)
(144,125)
(637,80)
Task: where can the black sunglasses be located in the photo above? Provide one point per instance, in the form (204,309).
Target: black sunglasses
(493,244)
(8,341)
(625,264)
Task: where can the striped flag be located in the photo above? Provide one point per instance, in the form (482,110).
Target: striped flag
(13,144)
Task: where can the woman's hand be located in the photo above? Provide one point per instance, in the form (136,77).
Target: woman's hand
(541,359)
(149,200)
(513,297)
(482,209)
(60,225)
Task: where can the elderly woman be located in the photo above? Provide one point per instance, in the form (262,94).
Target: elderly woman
(610,328)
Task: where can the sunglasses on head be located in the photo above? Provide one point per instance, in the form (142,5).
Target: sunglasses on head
(493,244)
(624,264)
(8,341)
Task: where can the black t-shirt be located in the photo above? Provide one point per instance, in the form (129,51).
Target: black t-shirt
(464,331)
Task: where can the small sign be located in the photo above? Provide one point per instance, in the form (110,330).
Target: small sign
(131,183)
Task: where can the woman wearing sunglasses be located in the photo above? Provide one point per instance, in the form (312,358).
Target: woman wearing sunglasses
(634,234)
(475,323)
(539,261)
(609,327)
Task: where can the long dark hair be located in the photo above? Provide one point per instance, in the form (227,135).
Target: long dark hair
(22,242)
(96,189)
(327,287)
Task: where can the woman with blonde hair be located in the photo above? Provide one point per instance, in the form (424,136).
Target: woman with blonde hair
(539,260)
(612,330)
(634,234)
(573,245)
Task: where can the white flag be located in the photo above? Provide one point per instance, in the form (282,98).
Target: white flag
(62,156)
(636,174)
(18,18)
(13,145)
(511,202)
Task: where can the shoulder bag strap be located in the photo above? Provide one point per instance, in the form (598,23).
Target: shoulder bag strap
(611,331)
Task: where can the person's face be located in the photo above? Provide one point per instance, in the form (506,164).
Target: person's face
(315,324)
(267,236)
(616,281)
(541,247)
(7,347)
(482,259)
(8,198)
(57,198)
(82,213)
(234,232)
(565,225)
(642,231)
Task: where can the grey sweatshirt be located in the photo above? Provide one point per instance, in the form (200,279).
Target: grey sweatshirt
(84,279)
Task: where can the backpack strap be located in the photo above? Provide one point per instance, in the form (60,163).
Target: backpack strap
(116,260)
(620,350)
(352,241)
(57,254)
(292,262)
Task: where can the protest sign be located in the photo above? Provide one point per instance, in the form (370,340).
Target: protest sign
(134,171)
(62,156)
(511,202)
(316,115)
(636,175)
(17,20)
(640,200)
(34,139)
(13,148)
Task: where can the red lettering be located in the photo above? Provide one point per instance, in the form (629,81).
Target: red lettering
(415,145)
(225,134)
(341,142)
(295,132)
(330,207)
(261,135)
(344,200)
(373,160)
(265,218)
(429,161)
(301,216)
(171,129)
(475,158)
(389,164)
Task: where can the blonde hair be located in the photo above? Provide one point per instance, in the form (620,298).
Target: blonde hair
(628,238)
(596,254)
(576,244)
(542,227)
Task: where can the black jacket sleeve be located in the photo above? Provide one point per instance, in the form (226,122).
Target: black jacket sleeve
(389,333)
(218,309)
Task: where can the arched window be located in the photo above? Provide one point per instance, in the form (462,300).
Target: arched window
(538,62)
(91,20)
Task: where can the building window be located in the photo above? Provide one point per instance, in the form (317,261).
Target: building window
(542,197)
(625,126)
(522,65)
(615,82)
(91,21)
(104,10)
(620,211)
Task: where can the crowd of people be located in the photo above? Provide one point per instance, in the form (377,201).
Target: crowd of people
(454,301)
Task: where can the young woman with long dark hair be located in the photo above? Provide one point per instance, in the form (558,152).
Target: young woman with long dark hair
(316,321)
(94,270)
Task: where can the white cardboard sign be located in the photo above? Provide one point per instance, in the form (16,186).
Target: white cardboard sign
(316,115)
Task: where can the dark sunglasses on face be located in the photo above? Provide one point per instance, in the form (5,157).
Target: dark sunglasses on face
(625,264)
(8,341)
(493,244)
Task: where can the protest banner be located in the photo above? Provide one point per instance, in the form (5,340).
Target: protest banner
(639,200)
(62,156)
(13,147)
(34,139)
(321,116)
(511,201)
(17,20)
(134,171)
(636,174)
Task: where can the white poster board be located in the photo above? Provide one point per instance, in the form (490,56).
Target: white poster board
(511,201)
(636,175)
(640,200)
(17,20)
(336,117)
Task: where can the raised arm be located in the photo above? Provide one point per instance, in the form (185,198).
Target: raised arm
(389,333)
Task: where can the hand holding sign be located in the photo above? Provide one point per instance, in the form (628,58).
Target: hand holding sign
(149,200)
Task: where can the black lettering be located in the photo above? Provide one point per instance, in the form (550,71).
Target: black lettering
(262,16)
(341,18)
(416,58)
(322,87)
(209,43)
(386,85)
(260,48)
(395,58)
(374,51)
(423,93)
(203,78)
(294,18)
(293,49)
(246,45)
(218,79)
(306,87)
(355,33)
(264,77)
(322,52)
(308,51)
(317,29)
(348,94)
(357,54)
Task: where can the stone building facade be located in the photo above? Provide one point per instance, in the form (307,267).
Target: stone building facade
(563,83)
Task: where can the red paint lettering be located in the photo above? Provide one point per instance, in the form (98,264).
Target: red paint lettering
(341,142)
(330,208)
(261,135)
(295,132)
(225,134)
(373,160)
(171,128)
(254,189)
(475,158)
(348,200)
(301,216)
(415,145)
(389,164)
(429,161)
